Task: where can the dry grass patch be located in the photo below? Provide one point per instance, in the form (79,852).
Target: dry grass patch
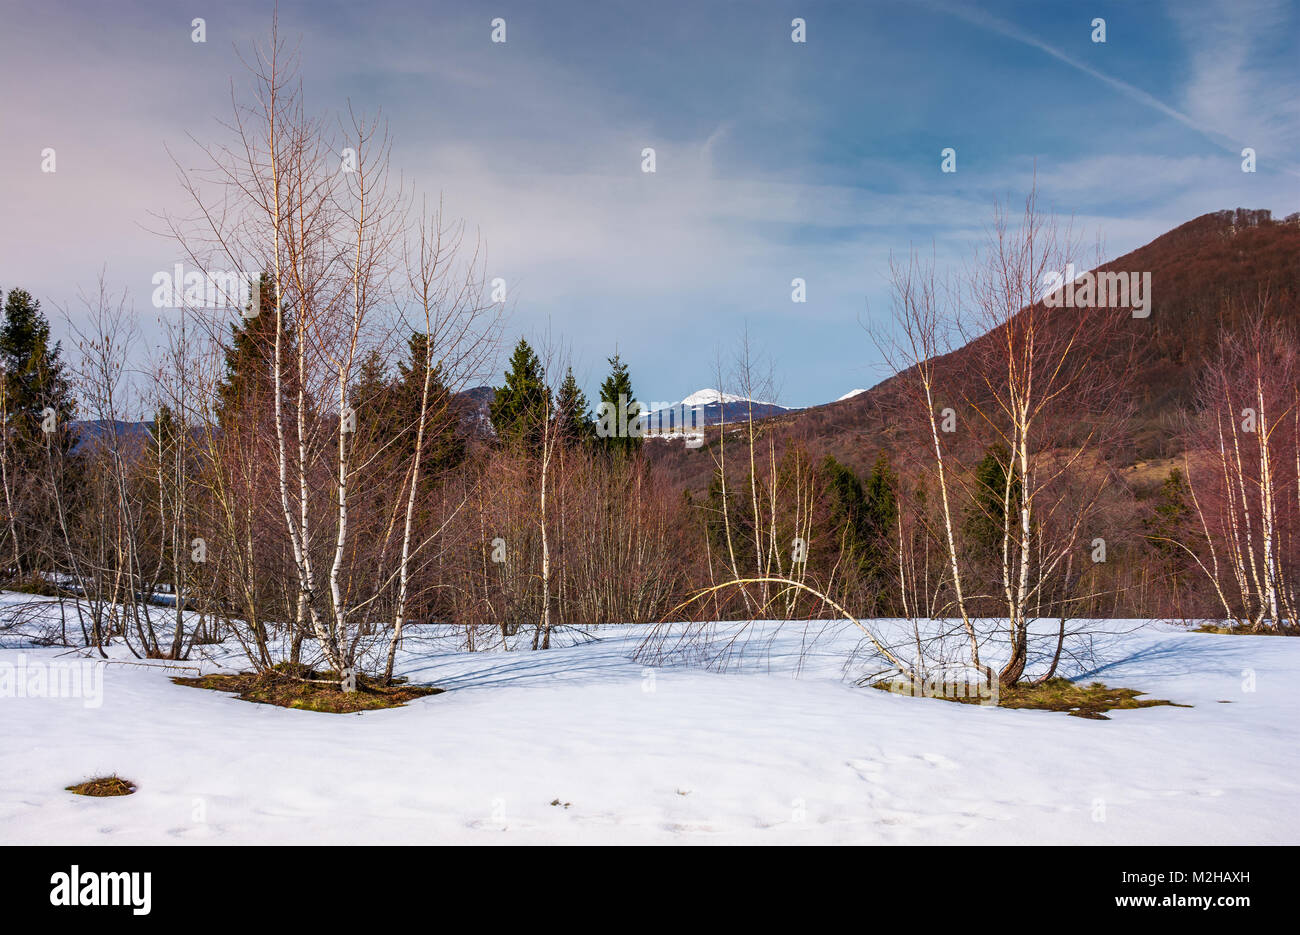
(103,786)
(1090,701)
(1236,629)
(1058,694)
(291,686)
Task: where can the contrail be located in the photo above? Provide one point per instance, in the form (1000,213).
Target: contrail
(1011,31)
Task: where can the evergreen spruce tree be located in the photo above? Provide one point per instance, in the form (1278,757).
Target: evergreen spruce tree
(862,518)
(985,519)
(34,388)
(519,409)
(880,508)
(846,502)
(618,401)
(880,501)
(371,397)
(33,369)
(249,381)
(444,444)
(880,514)
(1169,520)
(574,424)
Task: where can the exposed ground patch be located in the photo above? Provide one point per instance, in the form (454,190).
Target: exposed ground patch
(290,686)
(103,786)
(1058,694)
(1239,630)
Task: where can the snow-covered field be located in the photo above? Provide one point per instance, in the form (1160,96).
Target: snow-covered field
(769,751)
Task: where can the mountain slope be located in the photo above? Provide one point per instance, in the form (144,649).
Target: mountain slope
(1203,274)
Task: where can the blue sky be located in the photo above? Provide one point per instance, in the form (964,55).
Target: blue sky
(774,159)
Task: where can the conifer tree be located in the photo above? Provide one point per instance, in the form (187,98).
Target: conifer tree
(1168,524)
(880,513)
(250,375)
(33,369)
(371,384)
(986,518)
(521,405)
(845,500)
(573,413)
(444,445)
(371,396)
(1171,503)
(36,396)
(880,505)
(862,518)
(619,411)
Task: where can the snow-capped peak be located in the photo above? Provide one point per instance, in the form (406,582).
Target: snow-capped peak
(850,394)
(711,397)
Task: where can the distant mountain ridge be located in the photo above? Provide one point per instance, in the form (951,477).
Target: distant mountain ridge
(1197,268)
(708,407)
(472,404)
(91,431)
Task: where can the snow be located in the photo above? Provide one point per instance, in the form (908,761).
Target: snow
(850,394)
(710,397)
(779,747)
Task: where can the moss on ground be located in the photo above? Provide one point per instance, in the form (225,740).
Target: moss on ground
(1058,694)
(295,686)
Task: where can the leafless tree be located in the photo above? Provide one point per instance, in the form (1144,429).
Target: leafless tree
(1243,470)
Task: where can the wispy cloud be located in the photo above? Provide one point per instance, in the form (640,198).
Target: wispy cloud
(773,161)
(1232,48)
(1218,98)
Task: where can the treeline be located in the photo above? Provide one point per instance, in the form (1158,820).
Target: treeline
(171,531)
(312,483)
(186,511)
(536,521)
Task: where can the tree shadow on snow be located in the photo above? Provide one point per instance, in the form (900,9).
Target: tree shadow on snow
(1170,657)
(520,667)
